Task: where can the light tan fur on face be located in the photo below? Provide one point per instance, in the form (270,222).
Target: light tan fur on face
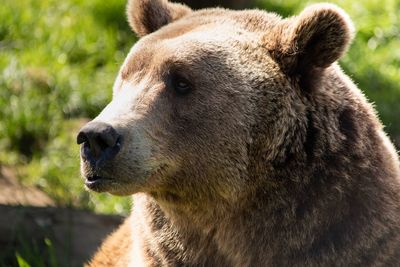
(274,158)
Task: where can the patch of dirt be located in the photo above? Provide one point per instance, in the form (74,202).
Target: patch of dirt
(13,193)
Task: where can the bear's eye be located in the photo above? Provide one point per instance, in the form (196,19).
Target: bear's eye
(180,85)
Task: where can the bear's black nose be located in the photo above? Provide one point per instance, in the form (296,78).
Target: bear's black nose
(100,142)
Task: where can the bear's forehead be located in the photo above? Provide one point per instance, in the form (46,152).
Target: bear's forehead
(186,51)
(192,37)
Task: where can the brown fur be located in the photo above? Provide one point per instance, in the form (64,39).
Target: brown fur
(114,251)
(153,15)
(274,158)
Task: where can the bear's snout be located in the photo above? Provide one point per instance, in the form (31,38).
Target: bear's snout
(100,142)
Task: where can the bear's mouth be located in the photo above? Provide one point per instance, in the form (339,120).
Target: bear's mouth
(98,183)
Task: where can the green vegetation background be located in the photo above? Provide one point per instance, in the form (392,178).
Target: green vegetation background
(58,61)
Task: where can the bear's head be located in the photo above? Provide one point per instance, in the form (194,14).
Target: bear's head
(207,100)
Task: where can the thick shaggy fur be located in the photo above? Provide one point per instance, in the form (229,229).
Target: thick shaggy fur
(274,158)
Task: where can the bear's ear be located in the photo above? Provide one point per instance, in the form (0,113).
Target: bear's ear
(147,16)
(314,39)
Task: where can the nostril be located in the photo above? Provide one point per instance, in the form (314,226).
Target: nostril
(81,138)
(108,137)
(103,143)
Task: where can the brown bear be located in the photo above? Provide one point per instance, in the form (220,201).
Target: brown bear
(243,144)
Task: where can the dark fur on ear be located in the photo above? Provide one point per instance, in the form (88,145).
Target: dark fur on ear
(315,39)
(147,16)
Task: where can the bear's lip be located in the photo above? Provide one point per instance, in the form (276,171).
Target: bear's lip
(99,183)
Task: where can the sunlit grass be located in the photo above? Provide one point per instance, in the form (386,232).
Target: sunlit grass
(58,61)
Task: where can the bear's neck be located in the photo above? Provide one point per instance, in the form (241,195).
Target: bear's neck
(219,234)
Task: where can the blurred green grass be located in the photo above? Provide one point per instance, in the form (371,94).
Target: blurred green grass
(58,61)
